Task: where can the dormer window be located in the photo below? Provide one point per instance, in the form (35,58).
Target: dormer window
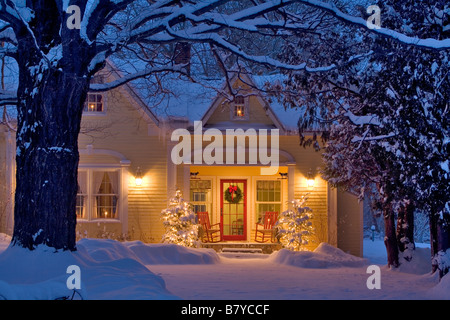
(94,103)
(240,110)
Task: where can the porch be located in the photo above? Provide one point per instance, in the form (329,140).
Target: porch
(243,247)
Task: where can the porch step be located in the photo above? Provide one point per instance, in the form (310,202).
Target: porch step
(242,250)
(249,248)
(243,253)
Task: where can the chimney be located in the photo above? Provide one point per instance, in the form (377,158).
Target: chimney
(182,55)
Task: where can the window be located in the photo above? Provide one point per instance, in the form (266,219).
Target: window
(201,196)
(81,195)
(240,110)
(94,103)
(268,197)
(105,195)
(98,194)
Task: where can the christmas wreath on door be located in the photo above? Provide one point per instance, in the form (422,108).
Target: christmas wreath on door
(233,194)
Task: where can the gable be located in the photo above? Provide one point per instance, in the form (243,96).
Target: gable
(258,113)
(112,73)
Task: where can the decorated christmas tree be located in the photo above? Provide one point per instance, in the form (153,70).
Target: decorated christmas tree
(294,227)
(180,223)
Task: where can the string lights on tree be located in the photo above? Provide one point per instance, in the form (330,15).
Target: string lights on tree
(180,223)
(294,227)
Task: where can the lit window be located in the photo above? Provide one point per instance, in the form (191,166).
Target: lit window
(93,103)
(201,196)
(268,197)
(239,107)
(98,194)
(105,184)
(81,195)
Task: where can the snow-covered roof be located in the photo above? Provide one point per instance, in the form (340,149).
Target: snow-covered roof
(171,97)
(182,98)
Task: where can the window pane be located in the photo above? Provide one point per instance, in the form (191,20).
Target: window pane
(268,191)
(239,107)
(99,107)
(200,197)
(268,198)
(80,208)
(277,195)
(106,197)
(81,201)
(106,207)
(94,103)
(199,208)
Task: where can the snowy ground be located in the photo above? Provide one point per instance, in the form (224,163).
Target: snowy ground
(134,270)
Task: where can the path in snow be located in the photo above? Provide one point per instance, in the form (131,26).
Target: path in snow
(262,279)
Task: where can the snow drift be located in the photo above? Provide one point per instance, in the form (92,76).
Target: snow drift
(442,289)
(323,257)
(151,254)
(135,270)
(109,270)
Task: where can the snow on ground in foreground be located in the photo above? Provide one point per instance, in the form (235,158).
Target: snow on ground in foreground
(135,270)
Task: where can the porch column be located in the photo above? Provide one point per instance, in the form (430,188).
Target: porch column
(291,183)
(186,182)
(171,172)
(124,181)
(332,215)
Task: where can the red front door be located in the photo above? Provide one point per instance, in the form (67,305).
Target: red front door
(233,209)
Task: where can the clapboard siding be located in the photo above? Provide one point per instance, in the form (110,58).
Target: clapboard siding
(307,159)
(350,223)
(125,130)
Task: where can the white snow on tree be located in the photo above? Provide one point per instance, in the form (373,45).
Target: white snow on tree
(180,223)
(294,228)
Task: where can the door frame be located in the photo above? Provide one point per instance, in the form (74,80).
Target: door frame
(233,237)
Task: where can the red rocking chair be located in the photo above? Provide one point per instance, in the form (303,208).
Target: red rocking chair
(211,232)
(265,231)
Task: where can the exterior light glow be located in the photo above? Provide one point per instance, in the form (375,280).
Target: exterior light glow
(138,177)
(310,180)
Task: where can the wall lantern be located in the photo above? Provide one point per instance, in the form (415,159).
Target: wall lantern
(194,175)
(310,179)
(138,177)
(283,175)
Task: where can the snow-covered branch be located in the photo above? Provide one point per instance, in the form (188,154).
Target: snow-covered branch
(7,34)
(9,52)
(7,98)
(14,16)
(360,120)
(333,10)
(219,41)
(133,76)
(365,137)
(99,13)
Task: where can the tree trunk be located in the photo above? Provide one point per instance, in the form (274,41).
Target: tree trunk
(405,230)
(440,243)
(390,240)
(49,117)
(53,66)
